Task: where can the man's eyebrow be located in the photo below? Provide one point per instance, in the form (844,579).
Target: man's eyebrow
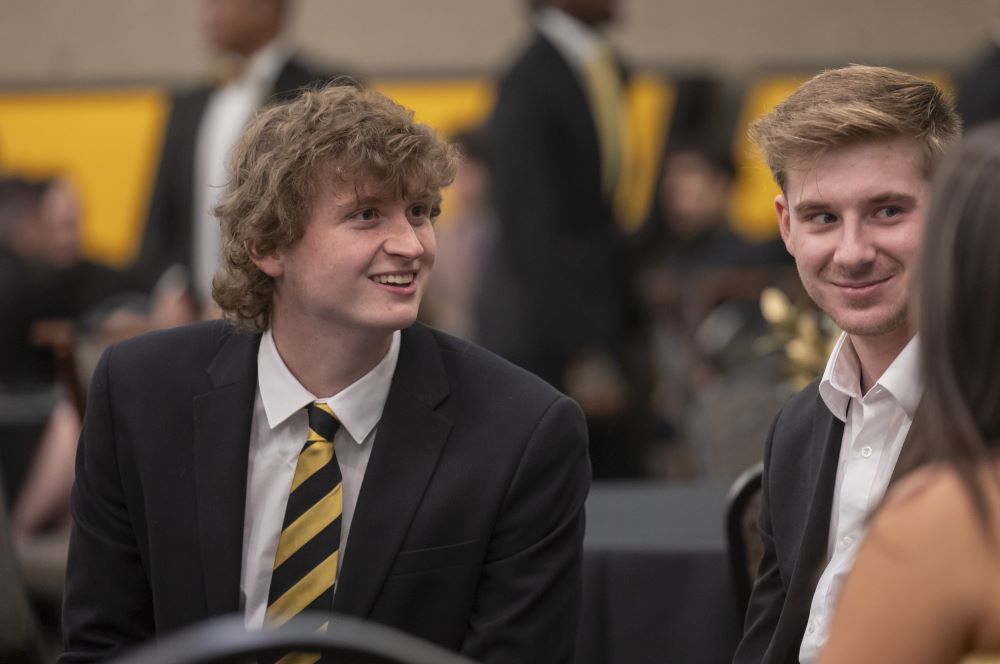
(365,200)
(892,197)
(362,201)
(804,208)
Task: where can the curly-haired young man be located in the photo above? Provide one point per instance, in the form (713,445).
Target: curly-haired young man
(320,450)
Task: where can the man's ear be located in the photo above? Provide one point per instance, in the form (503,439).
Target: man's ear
(784,221)
(269,263)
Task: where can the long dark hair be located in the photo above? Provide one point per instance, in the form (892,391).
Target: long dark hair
(958,421)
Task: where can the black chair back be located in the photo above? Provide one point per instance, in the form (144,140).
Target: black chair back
(346,640)
(742,515)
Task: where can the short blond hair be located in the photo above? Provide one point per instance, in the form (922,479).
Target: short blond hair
(341,132)
(855,104)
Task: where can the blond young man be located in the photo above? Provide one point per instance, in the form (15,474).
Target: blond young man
(852,150)
(458,480)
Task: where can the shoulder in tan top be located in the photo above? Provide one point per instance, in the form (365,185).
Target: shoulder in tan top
(926,583)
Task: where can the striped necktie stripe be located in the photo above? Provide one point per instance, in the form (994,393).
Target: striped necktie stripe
(305,565)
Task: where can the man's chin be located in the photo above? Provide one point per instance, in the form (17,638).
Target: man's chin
(871,325)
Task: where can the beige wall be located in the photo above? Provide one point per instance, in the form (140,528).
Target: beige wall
(58,41)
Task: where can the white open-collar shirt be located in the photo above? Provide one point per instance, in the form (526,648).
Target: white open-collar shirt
(875,425)
(277,434)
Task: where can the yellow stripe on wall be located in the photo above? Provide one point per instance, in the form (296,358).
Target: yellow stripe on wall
(107,143)
(754,190)
(650,106)
(447,105)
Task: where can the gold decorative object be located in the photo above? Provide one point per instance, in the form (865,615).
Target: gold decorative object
(805,333)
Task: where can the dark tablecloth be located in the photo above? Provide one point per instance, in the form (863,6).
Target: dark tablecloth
(656,581)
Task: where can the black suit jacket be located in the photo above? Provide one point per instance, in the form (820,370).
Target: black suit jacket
(170,218)
(468,529)
(560,280)
(800,469)
(978,94)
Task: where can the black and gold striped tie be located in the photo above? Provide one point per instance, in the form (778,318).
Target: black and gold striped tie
(305,564)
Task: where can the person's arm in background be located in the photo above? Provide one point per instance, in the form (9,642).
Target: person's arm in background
(44,499)
(923,581)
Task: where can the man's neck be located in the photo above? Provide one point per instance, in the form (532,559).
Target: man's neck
(326,361)
(876,353)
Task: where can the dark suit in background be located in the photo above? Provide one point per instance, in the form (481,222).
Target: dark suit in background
(559,282)
(168,235)
(467,532)
(800,470)
(978,89)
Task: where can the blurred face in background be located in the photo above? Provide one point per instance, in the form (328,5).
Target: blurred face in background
(694,194)
(591,12)
(60,223)
(241,26)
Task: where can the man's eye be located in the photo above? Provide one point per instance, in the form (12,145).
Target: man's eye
(823,218)
(889,212)
(419,210)
(367,214)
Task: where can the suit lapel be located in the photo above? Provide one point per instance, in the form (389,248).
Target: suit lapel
(222,420)
(410,437)
(827,435)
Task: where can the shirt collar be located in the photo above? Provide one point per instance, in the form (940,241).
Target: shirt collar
(262,68)
(358,406)
(841,379)
(575,40)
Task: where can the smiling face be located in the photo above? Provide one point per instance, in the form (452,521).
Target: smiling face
(361,265)
(853,220)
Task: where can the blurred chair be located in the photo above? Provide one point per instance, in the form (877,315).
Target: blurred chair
(728,423)
(59,336)
(346,639)
(742,514)
(20,636)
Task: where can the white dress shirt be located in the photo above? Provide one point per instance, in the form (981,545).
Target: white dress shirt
(577,42)
(226,114)
(277,434)
(875,426)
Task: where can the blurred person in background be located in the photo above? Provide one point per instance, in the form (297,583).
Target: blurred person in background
(852,151)
(180,248)
(465,236)
(700,283)
(926,584)
(978,86)
(47,287)
(29,292)
(557,294)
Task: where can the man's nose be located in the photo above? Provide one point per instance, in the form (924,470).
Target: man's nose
(855,249)
(403,239)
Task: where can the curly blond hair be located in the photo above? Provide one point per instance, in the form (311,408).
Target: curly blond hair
(356,136)
(857,103)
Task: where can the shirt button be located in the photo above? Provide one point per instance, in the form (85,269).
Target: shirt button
(866,451)
(845,542)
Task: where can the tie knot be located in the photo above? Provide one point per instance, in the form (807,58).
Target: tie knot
(323,424)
